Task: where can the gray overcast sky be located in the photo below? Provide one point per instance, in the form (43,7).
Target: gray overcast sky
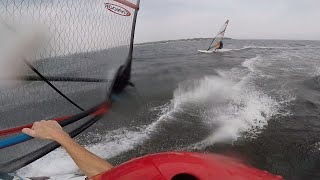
(249,19)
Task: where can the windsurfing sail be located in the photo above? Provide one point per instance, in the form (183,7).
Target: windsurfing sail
(218,39)
(83,54)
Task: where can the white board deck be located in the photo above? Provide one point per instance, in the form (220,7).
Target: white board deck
(205,51)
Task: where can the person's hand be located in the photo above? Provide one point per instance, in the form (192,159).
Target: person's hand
(89,163)
(47,130)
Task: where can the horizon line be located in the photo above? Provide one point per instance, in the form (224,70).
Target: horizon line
(157,41)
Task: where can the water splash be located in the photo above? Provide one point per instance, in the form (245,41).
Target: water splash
(228,107)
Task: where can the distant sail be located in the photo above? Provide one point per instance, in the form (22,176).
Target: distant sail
(215,44)
(87,56)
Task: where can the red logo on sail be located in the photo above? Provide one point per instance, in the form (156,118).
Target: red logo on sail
(117,9)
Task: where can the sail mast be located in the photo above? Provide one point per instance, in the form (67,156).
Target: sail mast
(124,72)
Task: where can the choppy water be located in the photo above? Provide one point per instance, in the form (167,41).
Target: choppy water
(257,100)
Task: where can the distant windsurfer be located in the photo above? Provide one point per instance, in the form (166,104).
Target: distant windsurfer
(88,163)
(219,45)
(216,42)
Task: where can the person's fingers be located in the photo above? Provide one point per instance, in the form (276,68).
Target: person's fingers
(29,132)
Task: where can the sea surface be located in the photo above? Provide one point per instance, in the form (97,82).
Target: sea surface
(257,100)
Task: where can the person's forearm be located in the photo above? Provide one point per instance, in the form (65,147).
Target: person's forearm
(88,163)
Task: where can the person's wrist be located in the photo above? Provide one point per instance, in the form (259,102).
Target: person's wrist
(60,137)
